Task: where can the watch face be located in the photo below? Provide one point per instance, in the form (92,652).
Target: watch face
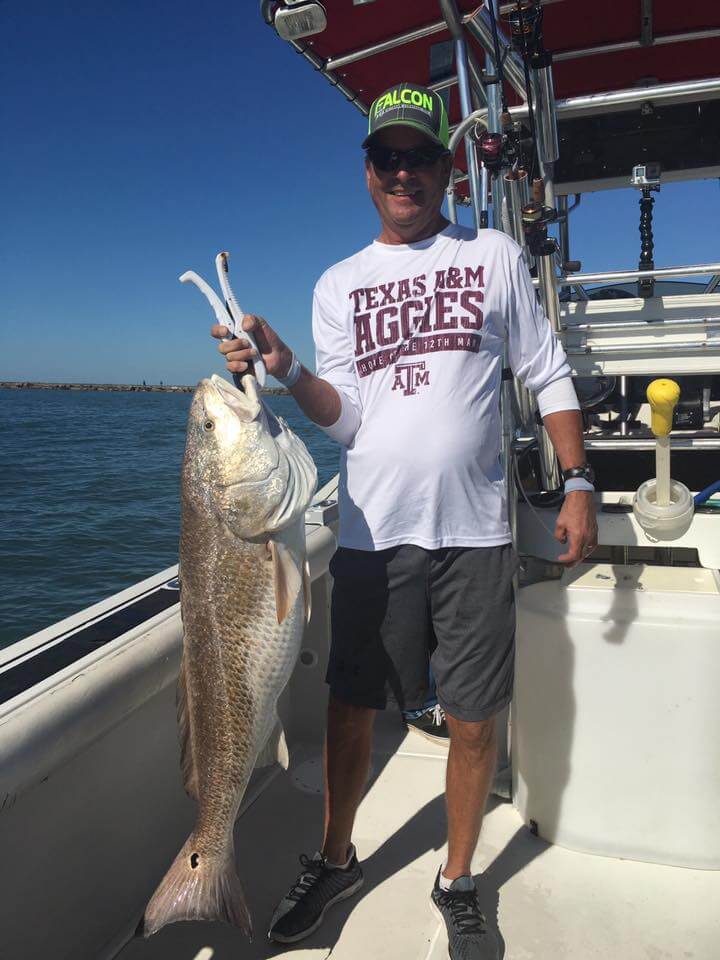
(586,472)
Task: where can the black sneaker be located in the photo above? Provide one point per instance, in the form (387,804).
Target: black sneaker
(318,887)
(432,725)
(469,937)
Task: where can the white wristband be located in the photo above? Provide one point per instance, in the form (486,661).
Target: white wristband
(577,483)
(293,374)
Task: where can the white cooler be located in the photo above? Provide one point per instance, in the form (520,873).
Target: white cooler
(615,729)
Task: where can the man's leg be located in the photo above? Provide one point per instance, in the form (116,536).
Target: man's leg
(474,621)
(334,874)
(470,771)
(380,639)
(348,745)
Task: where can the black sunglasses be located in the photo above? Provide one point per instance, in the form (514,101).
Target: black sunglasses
(389,161)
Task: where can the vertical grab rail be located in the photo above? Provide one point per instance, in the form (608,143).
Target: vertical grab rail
(479,196)
(494,125)
(452,18)
(537,215)
(494,120)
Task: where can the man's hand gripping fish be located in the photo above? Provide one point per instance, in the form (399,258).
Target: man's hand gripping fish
(246,483)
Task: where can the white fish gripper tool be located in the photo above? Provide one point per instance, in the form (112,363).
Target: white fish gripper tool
(229,313)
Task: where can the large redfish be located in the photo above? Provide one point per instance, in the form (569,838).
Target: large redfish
(246,483)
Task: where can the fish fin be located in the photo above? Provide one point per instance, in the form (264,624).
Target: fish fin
(198,887)
(307,591)
(187,762)
(275,750)
(287,578)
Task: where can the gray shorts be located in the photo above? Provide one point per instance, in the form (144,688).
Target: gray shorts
(395,612)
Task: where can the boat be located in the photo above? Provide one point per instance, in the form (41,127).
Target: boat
(602,838)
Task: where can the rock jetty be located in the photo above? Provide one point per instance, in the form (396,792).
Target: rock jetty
(114,387)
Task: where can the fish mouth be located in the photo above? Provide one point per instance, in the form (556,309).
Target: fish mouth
(248,485)
(244,401)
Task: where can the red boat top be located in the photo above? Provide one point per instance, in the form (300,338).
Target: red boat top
(597,47)
(680,41)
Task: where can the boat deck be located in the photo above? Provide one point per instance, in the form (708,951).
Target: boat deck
(547,902)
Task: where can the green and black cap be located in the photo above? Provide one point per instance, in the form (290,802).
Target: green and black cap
(409,105)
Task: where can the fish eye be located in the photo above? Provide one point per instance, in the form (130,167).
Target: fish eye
(209,425)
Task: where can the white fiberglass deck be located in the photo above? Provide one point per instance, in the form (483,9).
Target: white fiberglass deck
(549,903)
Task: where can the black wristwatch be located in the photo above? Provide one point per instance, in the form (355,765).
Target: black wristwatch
(585,471)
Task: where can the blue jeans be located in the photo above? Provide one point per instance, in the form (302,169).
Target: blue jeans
(429,703)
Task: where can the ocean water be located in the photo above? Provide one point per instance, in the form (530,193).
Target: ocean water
(89,495)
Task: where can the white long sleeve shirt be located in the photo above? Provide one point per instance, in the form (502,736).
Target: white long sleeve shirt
(412,337)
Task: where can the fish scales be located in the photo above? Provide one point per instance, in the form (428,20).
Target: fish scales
(236,661)
(246,483)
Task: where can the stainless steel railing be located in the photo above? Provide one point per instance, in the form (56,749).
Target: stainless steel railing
(613,276)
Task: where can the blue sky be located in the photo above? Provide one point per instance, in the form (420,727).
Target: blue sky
(140,138)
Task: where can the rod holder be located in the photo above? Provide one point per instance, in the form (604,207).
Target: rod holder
(517,195)
(547,133)
(549,291)
(536,217)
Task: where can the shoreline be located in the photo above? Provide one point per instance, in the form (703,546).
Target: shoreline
(116,387)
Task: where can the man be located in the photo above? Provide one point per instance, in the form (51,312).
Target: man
(410,335)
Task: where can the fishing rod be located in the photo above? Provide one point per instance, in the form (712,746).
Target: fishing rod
(508,147)
(498,58)
(526,26)
(519,30)
(497,149)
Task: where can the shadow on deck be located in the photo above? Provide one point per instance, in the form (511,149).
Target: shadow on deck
(546,901)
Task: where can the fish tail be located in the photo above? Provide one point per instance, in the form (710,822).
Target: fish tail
(198,887)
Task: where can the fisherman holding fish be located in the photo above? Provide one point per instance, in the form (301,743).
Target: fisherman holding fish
(410,335)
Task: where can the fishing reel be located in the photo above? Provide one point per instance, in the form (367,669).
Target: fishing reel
(526,30)
(499,151)
(491,149)
(526,26)
(536,218)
